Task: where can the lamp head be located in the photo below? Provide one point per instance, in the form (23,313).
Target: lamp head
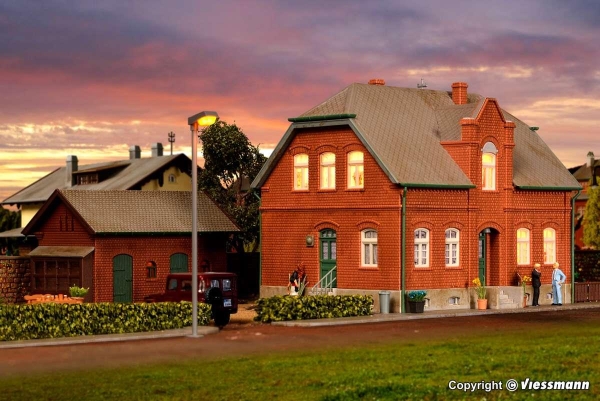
(203,119)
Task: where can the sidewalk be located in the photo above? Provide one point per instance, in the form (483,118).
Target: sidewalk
(376,318)
(395,317)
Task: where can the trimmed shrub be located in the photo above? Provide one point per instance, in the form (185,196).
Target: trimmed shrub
(53,320)
(280,308)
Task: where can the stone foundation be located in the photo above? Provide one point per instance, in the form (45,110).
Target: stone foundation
(15,278)
(504,297)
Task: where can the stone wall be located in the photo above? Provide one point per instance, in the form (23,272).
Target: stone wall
(15,278)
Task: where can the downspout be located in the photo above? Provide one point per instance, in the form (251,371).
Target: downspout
(403,260)
(259,241)
(573,199)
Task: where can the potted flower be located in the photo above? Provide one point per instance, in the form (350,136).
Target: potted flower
(481,293)
(77,293)
(416,301)
(524,281)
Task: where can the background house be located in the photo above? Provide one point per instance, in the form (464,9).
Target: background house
(122,244)
(583,175)
(400,189)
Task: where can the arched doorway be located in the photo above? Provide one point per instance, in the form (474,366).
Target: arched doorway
(328,253)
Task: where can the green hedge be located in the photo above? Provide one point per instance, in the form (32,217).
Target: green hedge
(280,308)
(52,320)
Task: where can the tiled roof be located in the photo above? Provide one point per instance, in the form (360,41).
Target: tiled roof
(404,127)
(146,211)
(128,174)
(583,172)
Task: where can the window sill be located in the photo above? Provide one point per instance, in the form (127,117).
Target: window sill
(327,190)
(454,267)
(300,191)
(354,189)
(422,267)
(368,268)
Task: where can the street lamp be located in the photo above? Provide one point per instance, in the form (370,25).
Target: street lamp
(202,119)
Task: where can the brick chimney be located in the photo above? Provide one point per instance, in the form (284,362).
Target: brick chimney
(157,149)
(134,152)
(459,92)
(71,168)
(377,81)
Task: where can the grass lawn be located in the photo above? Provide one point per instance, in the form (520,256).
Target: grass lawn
(399,369)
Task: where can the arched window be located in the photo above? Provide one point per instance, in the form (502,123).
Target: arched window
(369,248)
(421,247)
(488,165)
(356,169)
(522,246)
(328,170)
(301,172)
(549,246)
(452,247)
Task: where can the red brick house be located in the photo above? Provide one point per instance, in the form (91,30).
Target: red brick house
(401,189)
(583,175)
(122,244)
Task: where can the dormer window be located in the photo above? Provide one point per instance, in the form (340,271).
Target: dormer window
(84,179)
(488,167)
(301,172)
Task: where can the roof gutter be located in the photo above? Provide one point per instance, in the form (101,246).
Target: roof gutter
(549,188)
(573,199)
(440,186)
(255,193)
(321,118)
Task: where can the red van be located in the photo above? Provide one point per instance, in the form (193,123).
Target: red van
(216,288)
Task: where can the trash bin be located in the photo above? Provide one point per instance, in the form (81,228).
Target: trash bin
(384,302)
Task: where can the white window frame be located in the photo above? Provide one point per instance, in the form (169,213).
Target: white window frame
(301,172)
(356,170)
(523,246)
(421,237)
(549,246)
(452,247)
(327,171)
(488,168)
(369,249)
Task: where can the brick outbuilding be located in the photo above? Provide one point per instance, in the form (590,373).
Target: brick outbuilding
(402,189)
(122,244)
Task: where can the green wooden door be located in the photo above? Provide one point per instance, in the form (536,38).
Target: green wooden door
(122,278)
(179,263)
(328,253)
(482,258)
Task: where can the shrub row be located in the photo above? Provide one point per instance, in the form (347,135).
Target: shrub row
(52,320)
(280,308)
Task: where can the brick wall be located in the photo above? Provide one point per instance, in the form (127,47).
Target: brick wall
(15,278)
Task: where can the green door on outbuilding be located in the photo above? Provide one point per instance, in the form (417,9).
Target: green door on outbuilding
(122,278)
(179,263)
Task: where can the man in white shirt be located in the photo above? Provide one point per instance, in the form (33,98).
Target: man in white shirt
(558,278)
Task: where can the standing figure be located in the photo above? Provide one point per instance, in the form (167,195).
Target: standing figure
(536,284)
(558,278)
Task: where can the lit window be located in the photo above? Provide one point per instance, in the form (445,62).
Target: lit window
(301,172)
(356,170)
(549,246)
(369,248)
(522,246)
(488,164)
(452,249)
(328,171)
(421,247)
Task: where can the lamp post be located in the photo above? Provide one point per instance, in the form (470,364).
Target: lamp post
(202,119)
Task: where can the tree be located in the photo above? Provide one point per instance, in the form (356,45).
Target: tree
(231,162)
(8,221)
(591,219)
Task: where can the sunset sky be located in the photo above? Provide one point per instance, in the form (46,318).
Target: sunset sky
(92,78)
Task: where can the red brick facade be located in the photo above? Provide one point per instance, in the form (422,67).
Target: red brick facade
(62,228)
(289,216)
